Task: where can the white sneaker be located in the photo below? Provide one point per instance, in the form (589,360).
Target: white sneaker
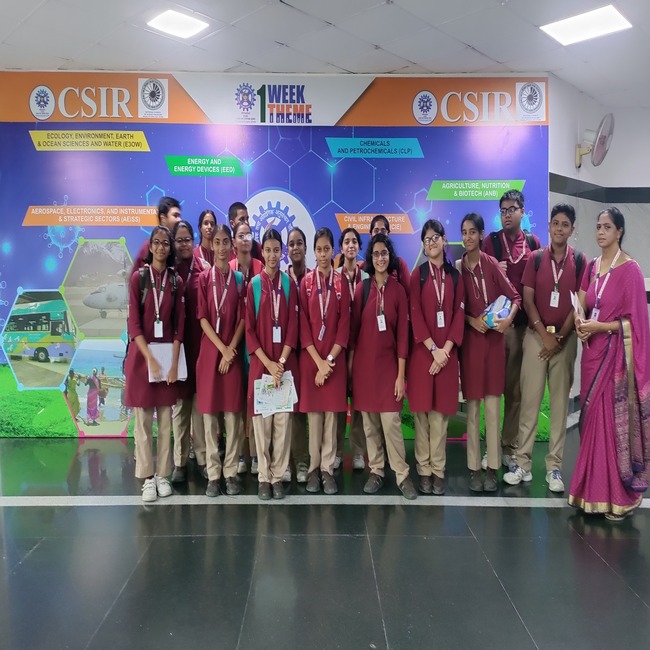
(484,461)
(149,492)
(516,475)
(358,462)
(286,477)
(241,466)
(302,473)
(163,486)
(554,480)
(254,468)
(337,462)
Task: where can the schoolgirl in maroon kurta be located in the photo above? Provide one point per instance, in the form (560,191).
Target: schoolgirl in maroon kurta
(249,267)
(160,319)
(324,334)
(438,321)
(483,355)
(203,252)
(187,422)
(380,226)
(379,348)
(271,336)
(219,369)
(297,270)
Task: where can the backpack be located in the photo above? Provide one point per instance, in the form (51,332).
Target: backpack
(498,248)
(577,261)
(256,283)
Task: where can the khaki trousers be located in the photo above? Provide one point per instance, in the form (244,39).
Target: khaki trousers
(357,436)
(299,450)
(322,441)
(492,415)
(143,434)
(430,442)
(534,374)
(272,431)
(187,420)
(390,424)
(512,395)
(233,424)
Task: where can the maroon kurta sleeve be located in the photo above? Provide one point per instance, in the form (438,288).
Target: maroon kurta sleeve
(305,329)
(292,317)
(343,328)
(404,275)
(457,329)
(402,323)
(356,316)
(202,296)
(133,321)
(420,329)
(252,342)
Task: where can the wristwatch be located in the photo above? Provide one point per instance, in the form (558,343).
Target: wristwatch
(330,358)
(434,347)
(282,361)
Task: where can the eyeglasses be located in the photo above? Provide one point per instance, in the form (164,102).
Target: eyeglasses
(511,210)
(156,243)
(380,231)
(245,236)
(434,239)
(183,240)
(376,255)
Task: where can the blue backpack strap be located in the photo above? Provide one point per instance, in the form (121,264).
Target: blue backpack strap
(286,285)
(256,284)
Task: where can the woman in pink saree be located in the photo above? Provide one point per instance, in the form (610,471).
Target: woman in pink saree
(92,399)
(611,472)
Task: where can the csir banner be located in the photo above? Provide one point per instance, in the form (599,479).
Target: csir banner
(86,158)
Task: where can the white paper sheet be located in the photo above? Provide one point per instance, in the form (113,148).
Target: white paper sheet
(163,354)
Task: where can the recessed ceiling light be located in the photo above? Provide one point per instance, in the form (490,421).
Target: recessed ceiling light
(599,22)
(177,24)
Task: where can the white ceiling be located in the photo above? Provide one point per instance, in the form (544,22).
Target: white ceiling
(334,36)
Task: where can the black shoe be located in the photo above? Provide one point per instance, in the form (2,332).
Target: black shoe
(426,485)
(373,484)
(476,481)
(438,485)
(213,489)
(179,475)
(264,491)
(490,484)
(313,482)
(278,490)
(232,486)
(329,484)
(407,489)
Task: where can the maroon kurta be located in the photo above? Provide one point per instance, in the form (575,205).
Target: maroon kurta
(374,370)
(332,395)
(205,256)
(217,393)
(138,391)
(434,392)
(259,331)
(483,356)
(254,269)
(189,270)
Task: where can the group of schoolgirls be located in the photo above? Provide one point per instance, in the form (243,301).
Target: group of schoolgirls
(343,332)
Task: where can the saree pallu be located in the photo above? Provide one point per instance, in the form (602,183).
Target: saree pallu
(611,472)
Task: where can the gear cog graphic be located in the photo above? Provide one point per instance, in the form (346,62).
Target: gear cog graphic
(273,216)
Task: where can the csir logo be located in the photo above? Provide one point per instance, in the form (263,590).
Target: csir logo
(42,102)
(425,107)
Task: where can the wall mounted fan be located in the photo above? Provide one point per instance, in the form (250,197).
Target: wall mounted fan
(596,142)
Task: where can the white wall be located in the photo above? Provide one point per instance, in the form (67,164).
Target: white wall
(571,112)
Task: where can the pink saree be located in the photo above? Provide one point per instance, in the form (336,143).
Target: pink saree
(611,472)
